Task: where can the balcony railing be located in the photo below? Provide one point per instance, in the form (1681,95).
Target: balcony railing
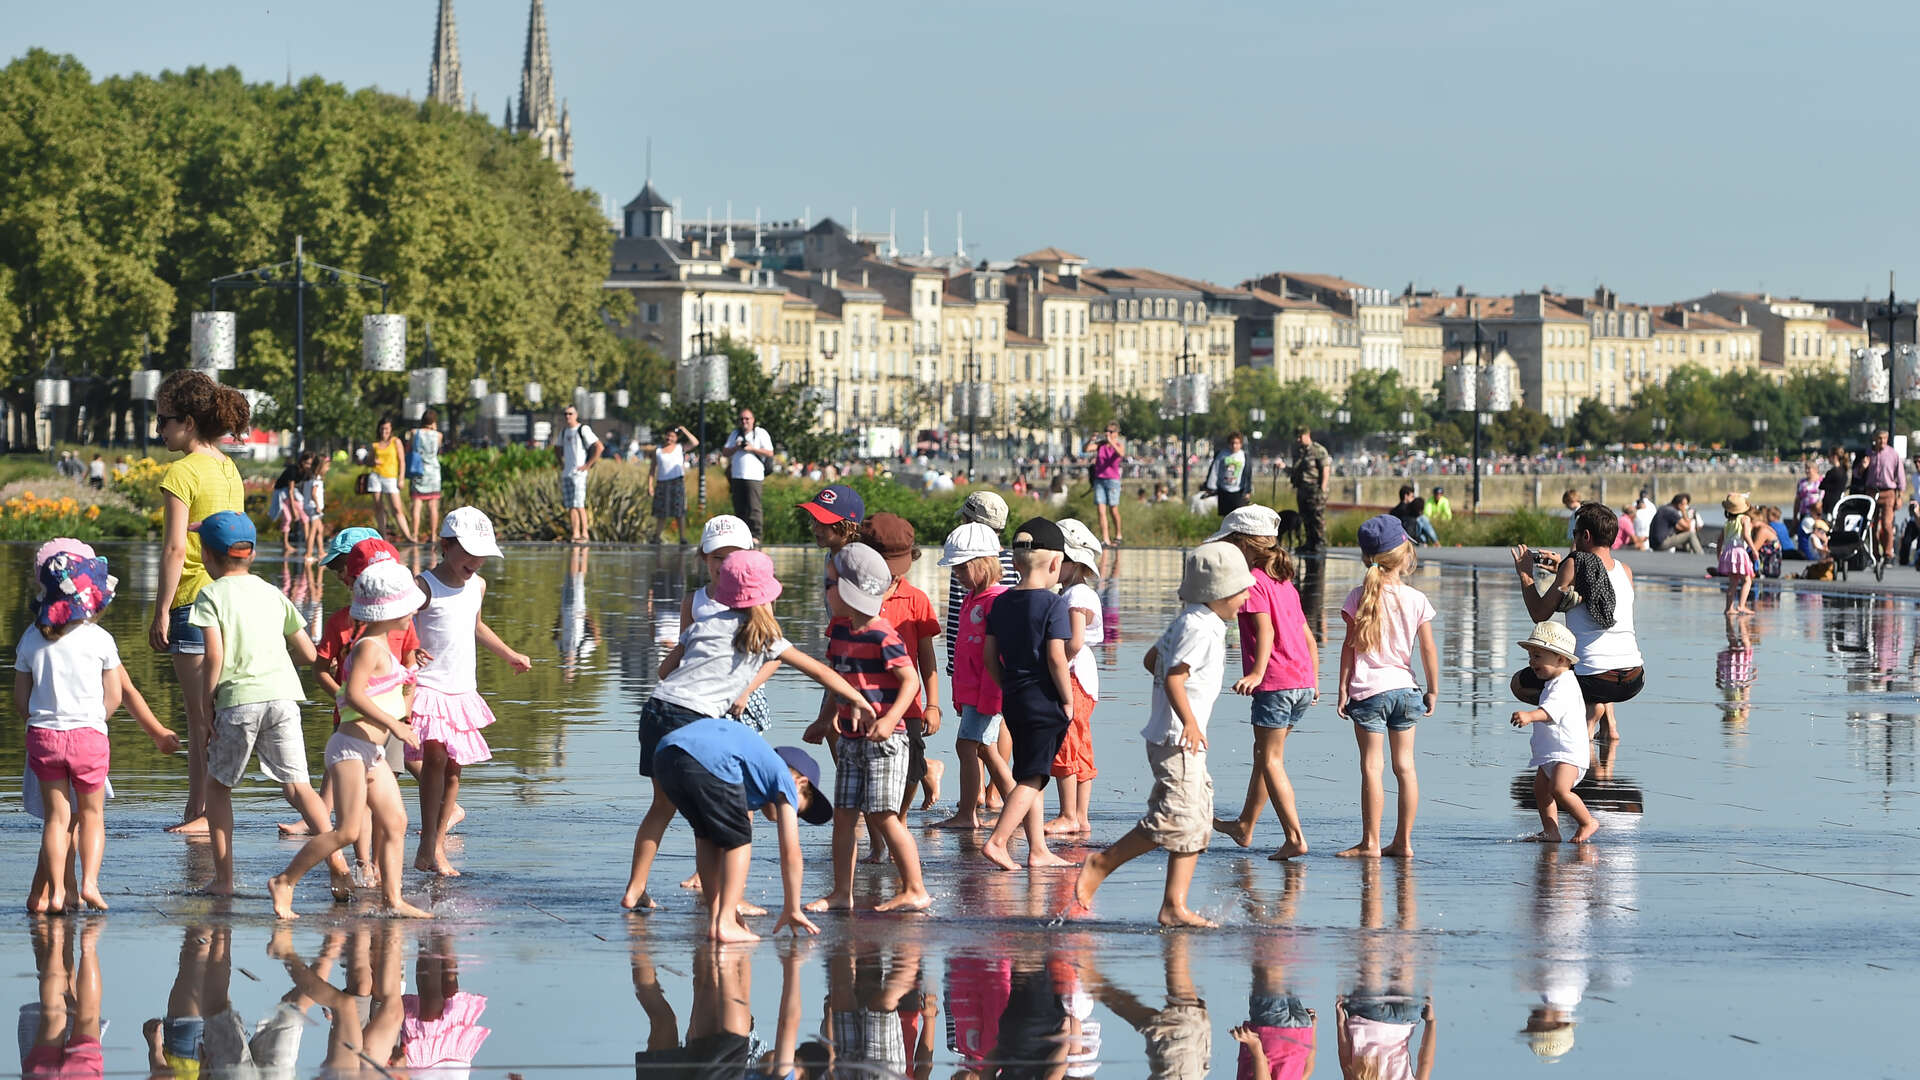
(1219,350)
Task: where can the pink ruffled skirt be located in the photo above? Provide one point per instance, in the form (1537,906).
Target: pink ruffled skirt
(453,719)
(452,1040)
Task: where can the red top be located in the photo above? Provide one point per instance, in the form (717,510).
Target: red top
(336,639)
(912,614)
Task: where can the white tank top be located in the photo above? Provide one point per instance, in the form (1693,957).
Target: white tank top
(446,628)
(1599,650)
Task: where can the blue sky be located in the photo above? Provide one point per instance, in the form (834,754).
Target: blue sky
(1664,149)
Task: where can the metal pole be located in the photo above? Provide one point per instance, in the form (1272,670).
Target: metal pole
(701,385)
(972,406)
(1893,334)
(299,345)
(1186,421)
(1476,417)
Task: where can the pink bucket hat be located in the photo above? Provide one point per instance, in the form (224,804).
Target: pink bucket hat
(745,580)
(65,543)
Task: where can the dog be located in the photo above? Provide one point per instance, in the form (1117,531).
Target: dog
(1290,526)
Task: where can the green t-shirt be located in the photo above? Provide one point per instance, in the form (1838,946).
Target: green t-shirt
(254,620)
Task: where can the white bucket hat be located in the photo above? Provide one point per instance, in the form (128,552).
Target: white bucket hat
(1082,546)
(386,590)
(1552,637)
(970,541)
(1249,521)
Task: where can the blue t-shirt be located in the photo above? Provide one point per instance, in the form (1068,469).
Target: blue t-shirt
(1786,538)
(735,753)
(1022,622)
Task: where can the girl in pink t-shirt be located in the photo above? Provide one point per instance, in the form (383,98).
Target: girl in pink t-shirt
(1280,661)
(1385,618)
(974,694)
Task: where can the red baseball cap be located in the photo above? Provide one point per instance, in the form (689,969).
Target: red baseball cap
(366,553)
(836,503)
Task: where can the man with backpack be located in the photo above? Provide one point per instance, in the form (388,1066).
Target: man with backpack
(748,450)
(579,448)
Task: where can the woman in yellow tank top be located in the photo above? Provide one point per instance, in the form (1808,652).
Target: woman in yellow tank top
(195,413)
(389,514)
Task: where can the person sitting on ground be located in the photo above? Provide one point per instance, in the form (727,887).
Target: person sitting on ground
(1412,512)
(1570,499)
(1672,528)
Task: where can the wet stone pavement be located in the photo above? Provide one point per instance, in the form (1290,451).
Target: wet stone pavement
(1748,906)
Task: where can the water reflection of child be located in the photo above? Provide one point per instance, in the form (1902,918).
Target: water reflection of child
(864,992)
(66,1040)
(1733,671)
(442,1027)
(1179,1036)
(1377,1018)
(978,989)
(364,1033)
(1277,1041)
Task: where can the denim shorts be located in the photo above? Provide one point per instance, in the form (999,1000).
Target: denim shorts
(1280,708)
(1278,1010)
(1389,710)
(1385,1008)
(184,638)
(976,726)
(1106,491)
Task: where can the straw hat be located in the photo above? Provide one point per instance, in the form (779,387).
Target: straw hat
(1735,504)
(1550,637)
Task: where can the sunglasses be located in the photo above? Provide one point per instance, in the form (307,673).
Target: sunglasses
(164,419)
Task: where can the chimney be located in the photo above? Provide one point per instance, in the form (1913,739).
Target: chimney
(1743,316)
(694,247)
(863,277)
(1459,290)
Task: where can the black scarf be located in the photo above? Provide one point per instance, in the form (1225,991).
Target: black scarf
(1592,587)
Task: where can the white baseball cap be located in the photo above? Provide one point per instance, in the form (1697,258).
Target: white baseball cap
(473,529)
(1249,521)
(1082,546)
(968,542)
(722,531)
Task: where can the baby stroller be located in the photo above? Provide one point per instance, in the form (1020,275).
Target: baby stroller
(1851,542)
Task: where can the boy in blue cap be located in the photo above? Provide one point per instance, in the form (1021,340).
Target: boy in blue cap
(251,627)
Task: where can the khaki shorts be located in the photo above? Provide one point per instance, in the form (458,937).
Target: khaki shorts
(270,727)
(1180,808)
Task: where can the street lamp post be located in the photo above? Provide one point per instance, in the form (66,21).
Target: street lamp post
(973,394)
(1892,312)
(265,278)
(1186,414)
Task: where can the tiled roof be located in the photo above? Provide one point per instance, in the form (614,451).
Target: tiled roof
(1273,299)
(1050,254)
(1015,337)
(1321,281)
(1842,324)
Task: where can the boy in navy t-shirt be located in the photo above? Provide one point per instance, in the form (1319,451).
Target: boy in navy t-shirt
(1026,653)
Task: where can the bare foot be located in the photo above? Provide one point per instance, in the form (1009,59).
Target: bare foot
(90,895)
(875,857)
(958,821)
(1582,836)
(833,901)
(935,770)
(1238,831)
(294,828)
(917,900)
(191,827)
(459,815)
(642,902)
(1399,849)
(731,932)
(1076,909)
(214,888)
(282,892)
(400,909)
(744,908)
(1088,883)
(369,873)
(342,886)
(692,882)
(1544,836)
(1047,859)
(1172,916)
(435,864)
(1359,851)
(1289,850)
(1063,826)
(996,853)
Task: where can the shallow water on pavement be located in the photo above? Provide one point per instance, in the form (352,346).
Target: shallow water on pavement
(1748,904)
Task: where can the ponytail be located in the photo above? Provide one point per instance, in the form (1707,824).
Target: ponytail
(1263,553)
(1368,614)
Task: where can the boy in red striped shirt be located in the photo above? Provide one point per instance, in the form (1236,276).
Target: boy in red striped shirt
(870,765)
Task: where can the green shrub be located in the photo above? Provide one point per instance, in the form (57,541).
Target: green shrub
(469,473)
(526,505)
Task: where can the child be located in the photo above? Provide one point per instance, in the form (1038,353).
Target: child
(717,772)
(287,506)
(1280,663)
(835,515)
(358,774)
(723,535)
(65,687)
(1561,751)
(707,674)
(1188,664)
(164,740)
(1736,555)
(1384,619)
(1026,653)
(1073,765)
(250,628)
(973,551)
(313,492)
(908,610)
(988,509)
(870,757)
(447,708)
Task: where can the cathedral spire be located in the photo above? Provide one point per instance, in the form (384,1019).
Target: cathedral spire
(540,114)
(443,78)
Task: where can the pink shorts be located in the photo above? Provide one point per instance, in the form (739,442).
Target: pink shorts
(79,1059)
(77,754)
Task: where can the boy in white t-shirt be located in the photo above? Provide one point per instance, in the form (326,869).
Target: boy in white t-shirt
(1188,663)
(1561,752)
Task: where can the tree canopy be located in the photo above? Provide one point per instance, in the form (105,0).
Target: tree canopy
(120,199)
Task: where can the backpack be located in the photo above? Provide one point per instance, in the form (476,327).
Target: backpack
(1767,561)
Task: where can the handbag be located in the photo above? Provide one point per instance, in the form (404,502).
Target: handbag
(363,484)
(416,465)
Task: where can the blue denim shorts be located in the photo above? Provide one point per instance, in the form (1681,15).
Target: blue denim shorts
(1280,708)
(184,638)
(976,726)
(1106,491)
(1278,1010)
(1389,710)
(1385,1008)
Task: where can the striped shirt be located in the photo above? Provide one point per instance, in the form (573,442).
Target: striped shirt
(866,659)
(957,598)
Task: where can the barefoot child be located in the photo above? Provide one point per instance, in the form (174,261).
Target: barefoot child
(361,779)
(251,628)
(66,685)
(990,510)
(1561,750)
(870,757)
(1188,664)
(1280,663)
(448,710)
(1073,766)
(908,610)
(1385,618)
(707,674)
(717,773)
(973,551)
(1736,555)
(723,535)
(1026,653)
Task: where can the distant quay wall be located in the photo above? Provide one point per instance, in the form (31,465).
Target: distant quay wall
(1616,489)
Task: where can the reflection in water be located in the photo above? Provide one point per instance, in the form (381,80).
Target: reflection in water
(877,1015)
(1602,789)
(577,630)
(1280,1028)
(1733,672)
(442,1029)
(365,1018)
(1179,1035)
(1386,1023)
(202,1034)
(60,1034)
(720,1031)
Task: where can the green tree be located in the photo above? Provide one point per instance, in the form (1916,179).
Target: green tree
(1593,424)
(790,414)
(1378,400)
(1519,430)
(1097,408)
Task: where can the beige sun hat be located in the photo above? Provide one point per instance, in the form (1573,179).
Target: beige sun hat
(1552,637)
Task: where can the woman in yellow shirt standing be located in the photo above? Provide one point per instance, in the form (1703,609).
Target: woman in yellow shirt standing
(389,456)
(195,413)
